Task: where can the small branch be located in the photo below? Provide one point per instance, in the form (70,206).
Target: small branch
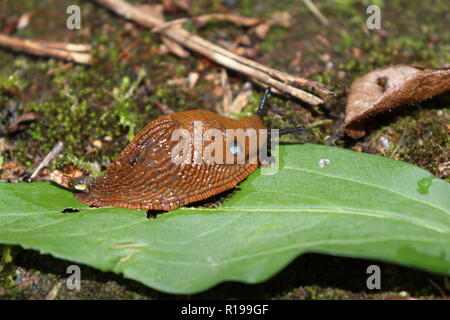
(236,19)
(78,53)
(283,82)
(48,158)
(164,108)
(316,12)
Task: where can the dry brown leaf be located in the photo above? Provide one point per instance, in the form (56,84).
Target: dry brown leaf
(389,88)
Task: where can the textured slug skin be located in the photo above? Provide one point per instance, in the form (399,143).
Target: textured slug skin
(145,177)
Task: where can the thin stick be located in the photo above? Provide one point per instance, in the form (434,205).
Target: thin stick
(164,108)
(78,53)
(236,19)
(316,12)
(74,47)
(266,76)
(48,158)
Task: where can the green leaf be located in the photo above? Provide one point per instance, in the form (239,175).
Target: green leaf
(358,205)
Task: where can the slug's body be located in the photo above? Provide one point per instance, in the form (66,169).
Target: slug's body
(144,176)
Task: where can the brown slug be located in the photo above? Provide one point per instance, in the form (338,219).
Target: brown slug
(147,175)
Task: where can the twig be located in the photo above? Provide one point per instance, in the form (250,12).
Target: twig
(17,124)
(78,53)
(54,291)
(164,108)
(436,286)
(259,73)
(316,12)
(236,19)
(169,24)
(48,158)
(72,47)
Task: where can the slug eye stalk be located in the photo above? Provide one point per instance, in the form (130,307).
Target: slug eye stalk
(263,103)
(262,108)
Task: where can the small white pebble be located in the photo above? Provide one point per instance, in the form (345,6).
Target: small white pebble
(385,143)
(324,162)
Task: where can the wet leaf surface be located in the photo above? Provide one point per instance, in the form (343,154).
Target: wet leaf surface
(375,208)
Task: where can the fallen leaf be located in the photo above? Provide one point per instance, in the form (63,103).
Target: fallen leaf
(389,88)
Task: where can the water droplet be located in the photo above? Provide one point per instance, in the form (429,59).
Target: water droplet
(324,162)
